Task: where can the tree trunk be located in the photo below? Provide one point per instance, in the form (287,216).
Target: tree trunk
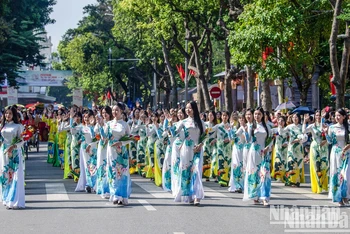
(228,87)
(303,97)
(266,102)
(170,69)
(250,87)
(200,100)
(203,82)
(339,74)
(166,103)
(234,99)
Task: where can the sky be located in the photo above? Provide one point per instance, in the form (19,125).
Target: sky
(67,14)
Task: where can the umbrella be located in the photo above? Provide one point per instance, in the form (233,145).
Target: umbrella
(55,106)
(285,105)
(35,105)
(303,110)
(18,105)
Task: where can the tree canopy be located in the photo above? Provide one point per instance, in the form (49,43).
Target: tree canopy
(21,23)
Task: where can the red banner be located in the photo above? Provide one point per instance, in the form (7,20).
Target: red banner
(333,90)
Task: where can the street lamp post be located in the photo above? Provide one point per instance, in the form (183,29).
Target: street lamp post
(186,73)
(154,83)
(154,90)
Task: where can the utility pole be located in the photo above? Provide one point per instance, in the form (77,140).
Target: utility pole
(186,72)
(154,84)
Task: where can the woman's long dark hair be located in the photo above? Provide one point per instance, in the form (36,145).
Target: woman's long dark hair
(299,118)
(251,111)
(14,115)
(241,115)
(156,115)
(318,111)
(262,121)
(215,121)
(108,110)
(345,124)
(196,116)
(184,112)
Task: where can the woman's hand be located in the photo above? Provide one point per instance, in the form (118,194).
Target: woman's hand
(296,141)
(226,141)
(325,128)
(264,152)
(88,149)
(345,149)
(213,142)
(117,144)
(323,143)
(72,112)
(197,148)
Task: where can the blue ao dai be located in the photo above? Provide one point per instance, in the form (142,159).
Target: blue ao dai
(12,168)
(257,181)
(339,186)
(88,160)
(189,179)
(237,172)
(102,187)
(118,162)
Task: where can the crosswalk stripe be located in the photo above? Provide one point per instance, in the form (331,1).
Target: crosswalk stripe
(56,192)
(208,192)
(147,205)
(155,191)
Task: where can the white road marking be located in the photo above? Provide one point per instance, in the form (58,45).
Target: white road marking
(56,192)
(148,206)
(155,191)
(208,192)
(179,233)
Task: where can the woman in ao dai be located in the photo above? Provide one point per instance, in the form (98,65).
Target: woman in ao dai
(132,145)
(210,162)
(318,155)
(166,169)
(75,123)
(179,137)
(237,173)
(249,119)
(118,158)
(138,128)
(88,154)
(338,136)
(257,183)
(152,137)
(190,187)
(279,152)
(102,186)
(295,154)
(224,150)
(159,149)
(11,161)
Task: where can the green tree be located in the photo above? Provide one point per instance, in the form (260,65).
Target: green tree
(21,23)
(292,29)
(340,70)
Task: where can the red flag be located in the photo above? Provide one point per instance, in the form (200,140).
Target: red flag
(192,73)
(109,95)
(181,72)
(333,90)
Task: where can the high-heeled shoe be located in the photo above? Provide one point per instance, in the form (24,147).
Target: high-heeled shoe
(265,203)
(196,202)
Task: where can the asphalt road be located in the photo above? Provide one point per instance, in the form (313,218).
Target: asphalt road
(52,206)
